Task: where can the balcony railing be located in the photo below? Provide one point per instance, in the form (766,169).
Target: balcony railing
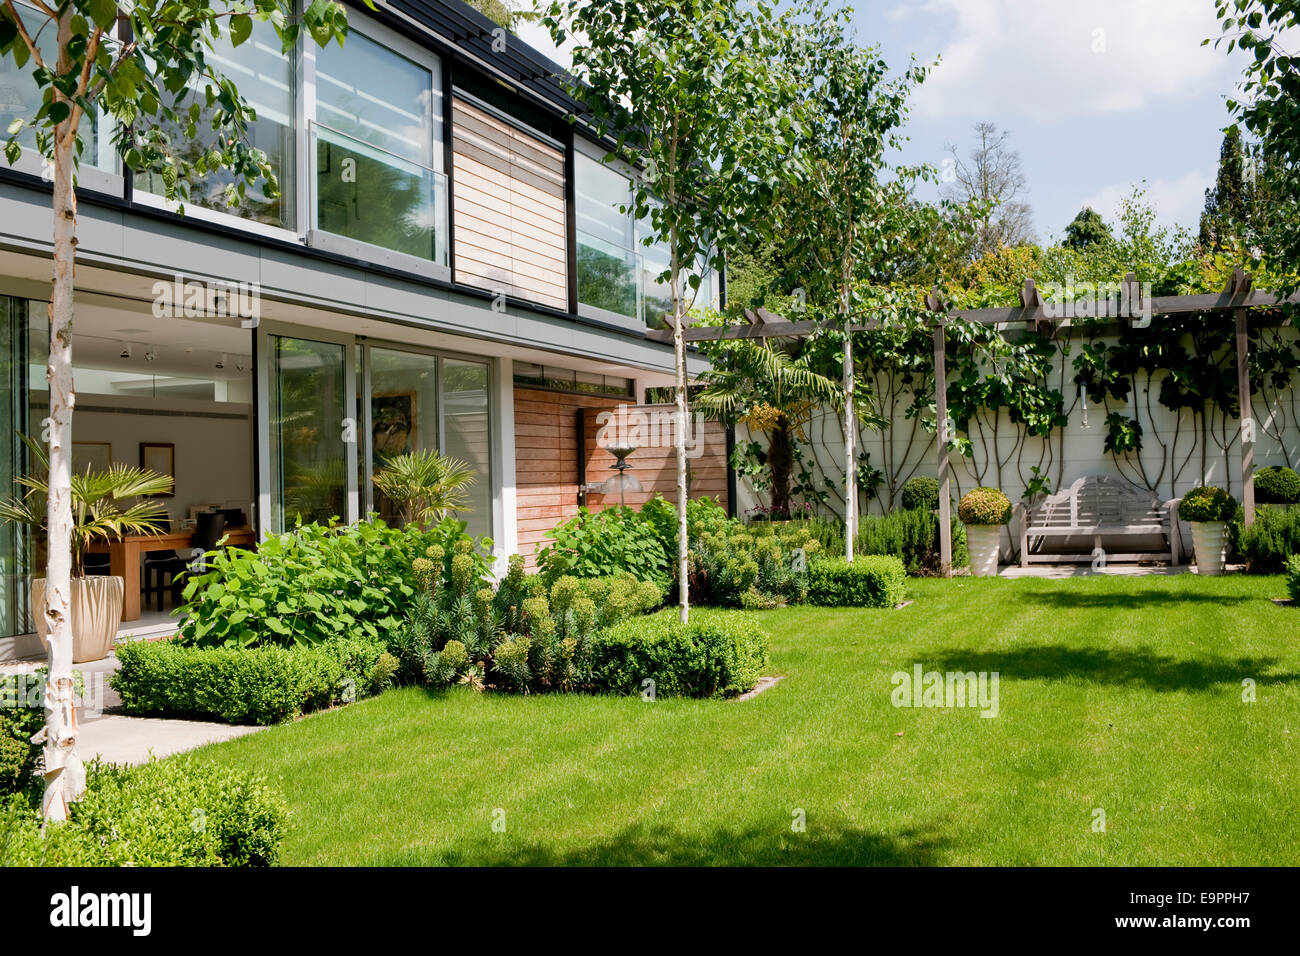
(609,276)
(366,194)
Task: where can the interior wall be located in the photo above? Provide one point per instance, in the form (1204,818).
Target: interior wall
(213,455)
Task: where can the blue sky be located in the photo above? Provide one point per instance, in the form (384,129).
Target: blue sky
(1098,95)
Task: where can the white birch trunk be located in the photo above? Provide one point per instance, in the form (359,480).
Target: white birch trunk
(679,439)
(65,778)
(850,448)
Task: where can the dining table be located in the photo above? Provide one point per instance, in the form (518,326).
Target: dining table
(124,554)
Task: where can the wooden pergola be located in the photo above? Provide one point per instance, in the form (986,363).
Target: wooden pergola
(1239,297)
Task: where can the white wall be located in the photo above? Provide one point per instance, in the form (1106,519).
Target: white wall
(212,439)
(1068,453)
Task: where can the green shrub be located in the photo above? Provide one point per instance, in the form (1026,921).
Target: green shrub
(178,812)
(870,581)
(593,545)
(984,506)
(764,566)
(1265,545)
(255,685)
(21,716)
(1207,503)
(715,655)
(921,492)
(912,537)
(703,515)
(1277,485)
(1292,571)
(316,583)
(525,636)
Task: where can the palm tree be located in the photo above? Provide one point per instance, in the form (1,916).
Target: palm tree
(98,509)
(425,485)
(773,390)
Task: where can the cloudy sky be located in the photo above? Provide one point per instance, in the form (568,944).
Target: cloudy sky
(1098,95)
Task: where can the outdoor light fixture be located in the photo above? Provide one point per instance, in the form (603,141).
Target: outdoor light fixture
(1083,397)
(151,354)
(126,351)
(221,362)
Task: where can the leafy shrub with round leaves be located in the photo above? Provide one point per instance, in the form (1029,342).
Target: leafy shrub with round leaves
(984,506)
(921,492)
(1277,485)
(1207,503)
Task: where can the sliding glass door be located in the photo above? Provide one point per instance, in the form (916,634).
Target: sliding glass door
(16,545)
(337,410)
(311,449)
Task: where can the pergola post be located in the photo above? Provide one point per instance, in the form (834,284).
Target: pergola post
(1239,285)
(941,435)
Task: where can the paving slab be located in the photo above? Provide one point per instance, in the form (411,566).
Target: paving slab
(130,740)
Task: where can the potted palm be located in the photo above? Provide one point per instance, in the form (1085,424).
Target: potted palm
(99,512)
(984,511)
(1208,510)
(424,485)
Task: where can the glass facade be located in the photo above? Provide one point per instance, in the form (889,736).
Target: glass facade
(264,75)
(20,97)
(466,419)
(16,545)
(618,271)
(377,147)
(308,449)
(403,411)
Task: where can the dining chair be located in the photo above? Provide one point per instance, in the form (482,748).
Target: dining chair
(207,532)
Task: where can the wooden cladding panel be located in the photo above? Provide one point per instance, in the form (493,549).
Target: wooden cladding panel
(546,463)
(509,207)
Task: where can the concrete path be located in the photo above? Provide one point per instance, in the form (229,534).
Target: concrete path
(115,738)
(1086,571)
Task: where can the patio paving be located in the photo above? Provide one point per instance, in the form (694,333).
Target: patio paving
(115,738)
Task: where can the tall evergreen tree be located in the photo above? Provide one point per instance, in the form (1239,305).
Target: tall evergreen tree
(1228,202)
(1087,229)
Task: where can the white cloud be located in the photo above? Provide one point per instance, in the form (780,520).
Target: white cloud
(1061,59)
(1177,200)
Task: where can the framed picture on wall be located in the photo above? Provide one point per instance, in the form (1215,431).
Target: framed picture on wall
(160,457)
(91,456)
(393,425)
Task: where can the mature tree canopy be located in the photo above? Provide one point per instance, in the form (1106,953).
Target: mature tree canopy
(1085,230)
(991,178)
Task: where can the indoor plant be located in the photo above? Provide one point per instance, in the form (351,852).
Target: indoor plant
(1208,510)
(98,513)
(984,511)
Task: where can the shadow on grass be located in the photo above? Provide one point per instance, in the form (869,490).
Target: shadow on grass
(1130,600)
(665,846)
(1114,666)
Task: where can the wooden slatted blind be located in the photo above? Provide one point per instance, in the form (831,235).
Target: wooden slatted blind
(508,204)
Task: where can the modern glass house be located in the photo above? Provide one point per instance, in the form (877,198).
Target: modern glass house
(445,266)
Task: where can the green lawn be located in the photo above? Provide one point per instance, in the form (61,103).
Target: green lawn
(1118,694)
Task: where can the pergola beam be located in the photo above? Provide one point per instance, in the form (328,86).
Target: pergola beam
(774,327)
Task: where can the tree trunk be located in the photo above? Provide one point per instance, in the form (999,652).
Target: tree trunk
(65,778)
(779,463)
(679,437)
(850,449)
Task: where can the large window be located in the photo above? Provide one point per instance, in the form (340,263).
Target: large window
(617,269)
(20,97)
(377,146)
(264,75)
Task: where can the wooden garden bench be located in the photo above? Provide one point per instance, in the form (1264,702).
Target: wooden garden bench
(1098,506)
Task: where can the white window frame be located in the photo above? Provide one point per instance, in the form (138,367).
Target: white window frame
(343,245)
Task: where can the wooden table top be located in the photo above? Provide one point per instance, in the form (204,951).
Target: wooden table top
(171,539)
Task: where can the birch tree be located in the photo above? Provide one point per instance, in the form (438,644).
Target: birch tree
(690,92)
(145,64)
(839,211)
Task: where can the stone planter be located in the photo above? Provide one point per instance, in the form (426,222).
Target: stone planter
(983,541)
(96,613)
(1209,538)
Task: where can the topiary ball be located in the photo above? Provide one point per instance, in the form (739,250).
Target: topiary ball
(921,492)
(984,506)
(1277,485)
(1207,503)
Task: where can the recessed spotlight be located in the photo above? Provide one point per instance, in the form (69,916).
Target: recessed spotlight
(221,362)
(126,351)
(151,354)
